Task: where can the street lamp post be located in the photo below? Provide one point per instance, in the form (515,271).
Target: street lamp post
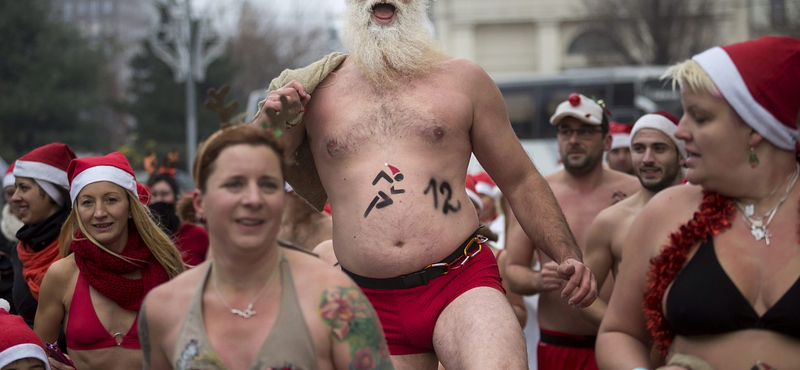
(187,44)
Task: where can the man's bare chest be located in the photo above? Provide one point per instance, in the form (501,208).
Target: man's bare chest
(346,124)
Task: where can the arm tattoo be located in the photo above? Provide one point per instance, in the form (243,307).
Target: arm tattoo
(144,338)
(352,320)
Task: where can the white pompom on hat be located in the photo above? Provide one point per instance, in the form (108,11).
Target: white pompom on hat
(113,168)
(664,122)
(17,340)
(8,178)
(760,79)
(581,107)
(47,165)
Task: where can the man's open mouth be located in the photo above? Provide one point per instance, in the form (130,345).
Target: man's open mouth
(383,12)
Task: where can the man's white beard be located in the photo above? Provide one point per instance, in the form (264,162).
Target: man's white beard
(388,52)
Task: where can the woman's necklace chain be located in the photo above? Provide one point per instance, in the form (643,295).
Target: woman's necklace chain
(758,227)
(247,312)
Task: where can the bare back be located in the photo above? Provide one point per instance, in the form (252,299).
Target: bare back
(580,206)
(393,164)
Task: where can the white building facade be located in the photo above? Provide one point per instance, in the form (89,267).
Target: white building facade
(539,36)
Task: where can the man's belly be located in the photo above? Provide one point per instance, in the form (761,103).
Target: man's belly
(400,239)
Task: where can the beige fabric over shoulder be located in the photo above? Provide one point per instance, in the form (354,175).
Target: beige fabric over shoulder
(302,174)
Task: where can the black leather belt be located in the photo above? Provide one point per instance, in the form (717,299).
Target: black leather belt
(466,250)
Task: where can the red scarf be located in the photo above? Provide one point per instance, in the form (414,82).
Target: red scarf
(102,269)
(715,215)
(35,264)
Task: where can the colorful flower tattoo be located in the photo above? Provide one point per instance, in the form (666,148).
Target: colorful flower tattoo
(352,320)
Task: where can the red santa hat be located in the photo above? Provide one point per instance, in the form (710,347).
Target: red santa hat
(486,186)
(664,122)
(18,341)
(113,168)
(620,135)
(143,191)
(760,79)
(472,193)
(8,178)
(581,107)
(47,165)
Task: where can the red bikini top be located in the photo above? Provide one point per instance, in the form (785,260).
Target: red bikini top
(85,331)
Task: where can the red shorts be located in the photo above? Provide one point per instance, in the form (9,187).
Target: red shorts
(560,351)
(409,315)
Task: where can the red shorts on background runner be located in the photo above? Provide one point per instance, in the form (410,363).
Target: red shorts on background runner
(560,351)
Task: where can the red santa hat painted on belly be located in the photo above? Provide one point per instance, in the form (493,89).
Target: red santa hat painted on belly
(760,79)
(113,168)
(47,165)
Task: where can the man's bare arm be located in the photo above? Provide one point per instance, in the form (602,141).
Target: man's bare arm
(599,259)
(518,273)
(497,148)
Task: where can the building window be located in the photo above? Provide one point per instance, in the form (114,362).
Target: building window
(778,12)
(81,8)
(108,7)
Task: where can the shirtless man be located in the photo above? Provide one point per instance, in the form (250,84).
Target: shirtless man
(302,225)
(657,160)
(583,188)
(390,131)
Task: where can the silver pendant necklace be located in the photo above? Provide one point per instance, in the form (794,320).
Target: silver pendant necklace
(247,312)
(758,227)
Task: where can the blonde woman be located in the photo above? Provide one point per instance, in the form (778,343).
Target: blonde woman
(112,255)
(716,265)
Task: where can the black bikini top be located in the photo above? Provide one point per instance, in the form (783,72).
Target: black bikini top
(704,301)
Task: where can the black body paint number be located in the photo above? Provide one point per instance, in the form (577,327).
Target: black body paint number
(447,191)
(382,200)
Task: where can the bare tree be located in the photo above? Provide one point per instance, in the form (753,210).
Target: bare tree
(655,31)
(266,43)
(775,17)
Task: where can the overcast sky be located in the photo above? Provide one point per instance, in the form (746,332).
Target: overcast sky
(317,10)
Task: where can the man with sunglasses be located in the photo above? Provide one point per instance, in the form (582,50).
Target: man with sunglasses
(583,188)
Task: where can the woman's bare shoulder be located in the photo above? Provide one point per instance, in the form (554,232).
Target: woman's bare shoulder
(314,270)
(63,269)
(179,289)
(676,200)
(664,214)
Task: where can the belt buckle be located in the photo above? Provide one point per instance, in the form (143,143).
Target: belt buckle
(415,279)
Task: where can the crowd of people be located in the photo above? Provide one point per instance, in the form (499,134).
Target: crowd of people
(343,231)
